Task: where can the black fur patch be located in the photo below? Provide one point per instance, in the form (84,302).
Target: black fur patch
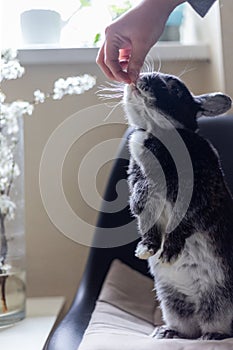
(176,301)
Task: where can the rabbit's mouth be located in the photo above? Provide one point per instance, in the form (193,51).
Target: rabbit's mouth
(134,89)
(138,91)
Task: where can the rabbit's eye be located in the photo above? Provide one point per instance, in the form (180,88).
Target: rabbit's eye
(174,88)
(176,91)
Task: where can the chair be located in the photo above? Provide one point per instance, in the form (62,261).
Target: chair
(69,332)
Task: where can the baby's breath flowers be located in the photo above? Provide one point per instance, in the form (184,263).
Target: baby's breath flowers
(10,114)
(72,86)
(10,66)
(69,86)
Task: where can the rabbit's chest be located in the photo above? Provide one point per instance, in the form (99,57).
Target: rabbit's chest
(195,272)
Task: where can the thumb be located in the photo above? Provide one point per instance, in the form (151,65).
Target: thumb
(138,55)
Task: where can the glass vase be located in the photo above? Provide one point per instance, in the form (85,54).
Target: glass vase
(12,235)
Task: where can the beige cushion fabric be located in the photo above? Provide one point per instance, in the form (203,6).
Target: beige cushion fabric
(126,313)
(129,291)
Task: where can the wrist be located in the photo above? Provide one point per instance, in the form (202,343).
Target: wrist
(162,7)
(156,12)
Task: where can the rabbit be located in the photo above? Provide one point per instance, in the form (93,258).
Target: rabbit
(189,248)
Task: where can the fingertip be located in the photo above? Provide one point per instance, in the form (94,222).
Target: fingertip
(133,75)
(124,54)
(113,69)
(122,77)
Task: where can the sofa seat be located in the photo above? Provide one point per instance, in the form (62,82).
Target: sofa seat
(127,312)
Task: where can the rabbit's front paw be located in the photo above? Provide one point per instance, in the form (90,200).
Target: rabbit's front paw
(215,336)
(170,253)
(169,256)
(172,248)
(143,252)
(163,332)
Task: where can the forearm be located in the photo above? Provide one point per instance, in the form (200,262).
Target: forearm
(166,7)
(159,8)
(200,6)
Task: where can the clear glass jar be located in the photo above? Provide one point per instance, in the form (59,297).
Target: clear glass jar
(12,236)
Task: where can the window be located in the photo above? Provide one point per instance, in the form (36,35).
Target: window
(66,23)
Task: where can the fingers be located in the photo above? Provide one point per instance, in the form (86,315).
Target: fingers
(136,61)
(113,62)
(121,64)
(100,60)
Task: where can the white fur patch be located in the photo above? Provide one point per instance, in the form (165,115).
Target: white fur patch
(142,251)
(183,276)
(136,144)
(134,108)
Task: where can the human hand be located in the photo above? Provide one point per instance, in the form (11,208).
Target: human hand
(129,39)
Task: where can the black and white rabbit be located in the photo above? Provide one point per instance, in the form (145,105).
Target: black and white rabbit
(189,249)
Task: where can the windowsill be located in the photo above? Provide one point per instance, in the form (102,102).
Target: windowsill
(32,332)
(164,51)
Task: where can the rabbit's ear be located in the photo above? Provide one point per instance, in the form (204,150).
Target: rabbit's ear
(213,104)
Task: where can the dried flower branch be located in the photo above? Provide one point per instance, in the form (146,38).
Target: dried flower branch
(10,113)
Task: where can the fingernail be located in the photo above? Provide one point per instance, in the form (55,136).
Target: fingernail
(124,54)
